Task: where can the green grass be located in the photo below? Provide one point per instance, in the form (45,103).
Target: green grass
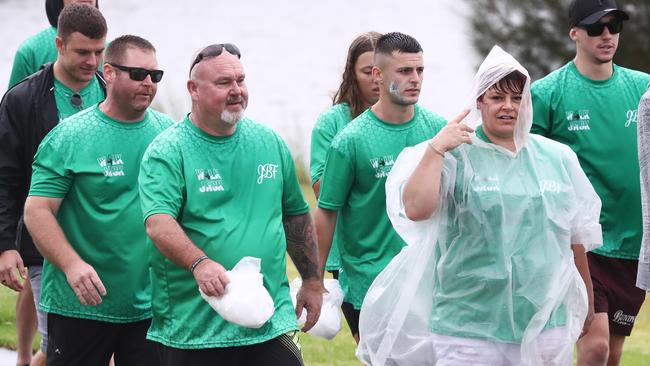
(340,350)
(8,320)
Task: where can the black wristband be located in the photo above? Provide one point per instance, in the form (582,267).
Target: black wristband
(197,262)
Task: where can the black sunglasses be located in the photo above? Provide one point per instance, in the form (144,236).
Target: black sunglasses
(215,50)
(76,101)
(614,26)
(139,74)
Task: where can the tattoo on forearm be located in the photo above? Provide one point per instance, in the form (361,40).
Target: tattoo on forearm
(301,244)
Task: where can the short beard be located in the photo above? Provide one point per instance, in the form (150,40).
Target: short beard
(231,118)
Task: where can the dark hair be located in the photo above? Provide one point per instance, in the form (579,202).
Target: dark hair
(117,48)
(513,83)
(53,9)
(81,18)
(395,41)
(349,91)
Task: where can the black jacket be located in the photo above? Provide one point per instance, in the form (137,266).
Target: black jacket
(27,113)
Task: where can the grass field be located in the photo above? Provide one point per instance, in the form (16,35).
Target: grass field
(340,351)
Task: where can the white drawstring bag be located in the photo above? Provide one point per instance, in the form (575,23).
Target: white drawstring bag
(329,322)
(246,301)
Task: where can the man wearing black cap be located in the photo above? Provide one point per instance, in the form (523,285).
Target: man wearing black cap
(591,105)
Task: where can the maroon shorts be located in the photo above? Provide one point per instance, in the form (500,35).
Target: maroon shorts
(615,292)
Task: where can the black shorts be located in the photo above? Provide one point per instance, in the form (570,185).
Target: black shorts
(74,341)
(281,351)
(351,317)
(615,292)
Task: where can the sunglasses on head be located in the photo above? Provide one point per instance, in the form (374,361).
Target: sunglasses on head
(594,30)
(76,101)
(215,50)
(139,74)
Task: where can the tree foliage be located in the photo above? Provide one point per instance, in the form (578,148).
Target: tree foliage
(536,32)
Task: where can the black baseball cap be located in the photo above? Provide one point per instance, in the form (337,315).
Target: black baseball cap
(590,11)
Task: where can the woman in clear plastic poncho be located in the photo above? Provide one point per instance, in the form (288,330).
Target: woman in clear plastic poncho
(493,220)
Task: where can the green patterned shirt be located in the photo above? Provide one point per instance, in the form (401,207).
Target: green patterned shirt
(34,52)
(328,125)
(358,162)
(597,119)
(92,162)
(229,195)
(90,95)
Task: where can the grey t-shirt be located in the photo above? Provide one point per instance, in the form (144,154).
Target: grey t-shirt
(643,125)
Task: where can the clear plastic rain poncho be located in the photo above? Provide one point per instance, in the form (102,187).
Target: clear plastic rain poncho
(494,262)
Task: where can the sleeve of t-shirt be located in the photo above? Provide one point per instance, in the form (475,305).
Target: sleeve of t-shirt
(643,136)
(542,116)
(293,202)
(20,69)
(585,226)
(161,182)
(321,138)
(338,176)
(51,177)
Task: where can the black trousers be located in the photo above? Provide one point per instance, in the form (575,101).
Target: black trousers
(351,317)
(281,351)
(83,342)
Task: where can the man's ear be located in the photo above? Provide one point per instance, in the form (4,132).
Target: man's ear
(377,75)
(58,41)
(109,73)
(191,88)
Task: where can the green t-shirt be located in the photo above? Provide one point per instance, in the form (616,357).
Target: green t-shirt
(34,52)
(92,162)
(597,119)
(229,195)
(90,95)
(358,162)
(328,125)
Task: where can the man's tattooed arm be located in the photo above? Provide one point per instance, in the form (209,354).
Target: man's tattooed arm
(301,245)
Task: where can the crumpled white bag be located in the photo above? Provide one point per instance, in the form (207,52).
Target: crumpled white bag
(246,301)
(329,322)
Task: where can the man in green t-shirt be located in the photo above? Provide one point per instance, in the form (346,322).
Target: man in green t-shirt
(28,112)
(590,104)
(215,188)
(358,162)
(83,212)
(40,48)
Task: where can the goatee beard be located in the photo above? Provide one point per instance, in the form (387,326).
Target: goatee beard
(232,118)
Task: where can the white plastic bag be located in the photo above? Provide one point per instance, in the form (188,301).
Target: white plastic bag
(329,322)
(246,301)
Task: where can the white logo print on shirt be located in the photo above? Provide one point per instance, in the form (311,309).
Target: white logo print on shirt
(486,184)
(266,171)
(631,116)
(112,165)
(209,180)
(548,185)
(382,165)
(578,120)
